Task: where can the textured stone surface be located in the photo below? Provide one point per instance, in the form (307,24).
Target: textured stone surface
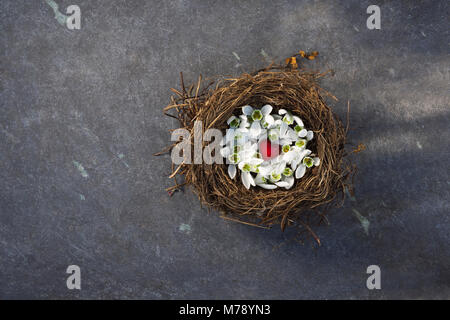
(81,117)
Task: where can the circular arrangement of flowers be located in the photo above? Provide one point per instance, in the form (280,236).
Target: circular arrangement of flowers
(269,149)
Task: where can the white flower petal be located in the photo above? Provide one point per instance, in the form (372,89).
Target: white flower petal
(285,141)
(300,172)
(247,110)
(269,119)
(232,171)
(290,180)
(294,164)
(292,134)
(289,156)
(255,161)
(265,170)
(280,167)
(267,109)
(299,121)
(277,117)
(245,180)
(309,135)
(244,124)
(277,122)
(303,153)
(253,147)
(250,178)
(283,129)
(282,184)
(259,179)
(262,135)
(268,186)
(316,161)
(255,129)
(282,111)
(302,133)
(230,119)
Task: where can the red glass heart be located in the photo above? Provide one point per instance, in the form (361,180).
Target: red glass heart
(269,150)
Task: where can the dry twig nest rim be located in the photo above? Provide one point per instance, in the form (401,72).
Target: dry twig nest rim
(282,87)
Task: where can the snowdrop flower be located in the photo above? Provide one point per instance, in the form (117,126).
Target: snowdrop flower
(245,123)
(233,122)
(287,135)
(299,155)
(287,178)
(287,172)
(257,114)
(248,132)
(287,118)
(282,176)
(286,148)
(246,176)
(300,127)
(300,143)
(308,161)
(274,134)
(277,171)
(263,182)
(234,159)
(260,118)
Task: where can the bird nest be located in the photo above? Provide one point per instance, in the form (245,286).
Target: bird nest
(286,87)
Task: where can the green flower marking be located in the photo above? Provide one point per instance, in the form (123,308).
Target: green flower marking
(288,119)
(257,115)
(235,123)
(298,128)
(275,176)
(234,158)
(307,161)
(288,172)
(300,143)
(247,168)
(286,148)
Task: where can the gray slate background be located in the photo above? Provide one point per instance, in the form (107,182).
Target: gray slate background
(94,97)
